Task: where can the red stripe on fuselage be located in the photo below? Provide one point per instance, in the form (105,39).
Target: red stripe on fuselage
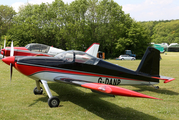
(18,48)
(30,70)
(16,52)
(22,51)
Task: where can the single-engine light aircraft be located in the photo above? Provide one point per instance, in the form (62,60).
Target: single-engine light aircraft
(80,68)
(32,49)
(35,49)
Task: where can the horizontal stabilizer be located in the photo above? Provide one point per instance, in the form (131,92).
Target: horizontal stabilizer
(166,79)
(108,89)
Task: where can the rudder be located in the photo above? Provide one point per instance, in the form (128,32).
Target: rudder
(150,62)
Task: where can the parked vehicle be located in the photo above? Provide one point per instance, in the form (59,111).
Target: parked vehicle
(125,57)
(129,52)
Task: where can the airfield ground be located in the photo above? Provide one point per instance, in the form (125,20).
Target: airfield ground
(18,102)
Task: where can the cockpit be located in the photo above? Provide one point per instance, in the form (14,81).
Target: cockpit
(37,47)
(78,56)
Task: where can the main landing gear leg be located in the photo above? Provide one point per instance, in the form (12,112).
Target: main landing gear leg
(52,101)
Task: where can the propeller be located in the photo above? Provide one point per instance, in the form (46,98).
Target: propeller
(3,54)
(4,43)
(11,69)
(12,49)
(11,65)
(4,47)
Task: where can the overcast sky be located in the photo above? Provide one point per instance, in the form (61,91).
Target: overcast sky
(140,10)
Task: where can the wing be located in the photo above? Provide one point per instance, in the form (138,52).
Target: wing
(104,88)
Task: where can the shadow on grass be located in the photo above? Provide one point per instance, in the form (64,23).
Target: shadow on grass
(148,88)
(93,103)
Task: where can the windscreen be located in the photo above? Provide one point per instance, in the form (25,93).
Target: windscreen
(66,56)
(38,47)
(80,57)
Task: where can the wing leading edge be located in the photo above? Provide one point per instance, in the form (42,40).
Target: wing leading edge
(109,89)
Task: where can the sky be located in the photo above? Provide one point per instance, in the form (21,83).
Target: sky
(139,10)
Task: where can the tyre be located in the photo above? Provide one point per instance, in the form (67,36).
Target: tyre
(36,92)
(53,102)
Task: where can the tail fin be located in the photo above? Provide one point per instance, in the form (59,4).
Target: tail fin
(150,62)
(93,49)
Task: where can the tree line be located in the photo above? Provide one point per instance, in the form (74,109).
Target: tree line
(77,25)
(165,31)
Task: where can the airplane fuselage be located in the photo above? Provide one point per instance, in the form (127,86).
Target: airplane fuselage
(32,49)
(22,51)
(48,68)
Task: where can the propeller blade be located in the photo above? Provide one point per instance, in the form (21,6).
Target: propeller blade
(10,61)
(4,43)
(3,54)
(12,49)
(11,69)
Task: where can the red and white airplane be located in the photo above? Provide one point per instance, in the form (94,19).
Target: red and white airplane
(32,49)
(80,68)
(35,49)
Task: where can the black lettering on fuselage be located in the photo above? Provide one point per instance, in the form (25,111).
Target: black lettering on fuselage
(107,81)
(115,81)
(100,80)
(110,81)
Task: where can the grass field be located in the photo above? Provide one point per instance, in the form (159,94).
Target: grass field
(18,102)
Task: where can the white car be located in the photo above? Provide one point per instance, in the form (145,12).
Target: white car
(125,57)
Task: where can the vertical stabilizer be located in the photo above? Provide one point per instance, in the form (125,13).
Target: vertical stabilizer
(150,62)
(93,49)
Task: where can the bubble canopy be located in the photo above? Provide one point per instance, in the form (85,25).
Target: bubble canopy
(37,47)
(77,56)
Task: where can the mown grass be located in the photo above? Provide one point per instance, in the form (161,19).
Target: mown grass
(18,102)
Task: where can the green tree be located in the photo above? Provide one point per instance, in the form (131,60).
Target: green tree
(166,32)
(79,24)
(6,16)
(137,39)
